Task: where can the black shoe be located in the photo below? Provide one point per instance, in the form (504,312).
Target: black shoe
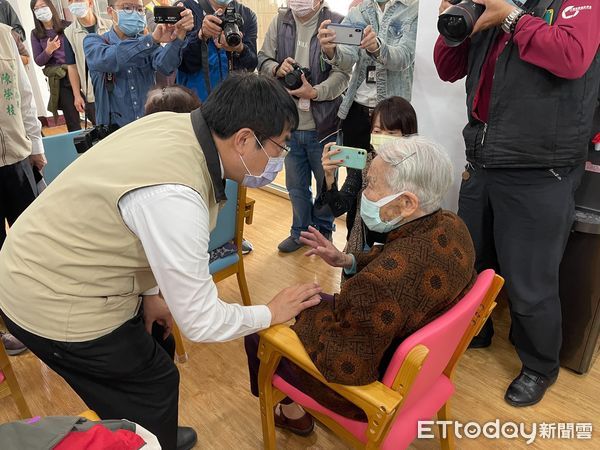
(484,338)
(186,438)
(528,388)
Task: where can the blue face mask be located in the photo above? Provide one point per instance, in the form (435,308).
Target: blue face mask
(222,2)
(273,167)
(131,24)
(369,213)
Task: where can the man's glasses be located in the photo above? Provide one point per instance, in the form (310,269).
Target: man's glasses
(129,8)
(284,148)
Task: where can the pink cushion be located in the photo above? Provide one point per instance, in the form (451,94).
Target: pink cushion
(404,429)
(2,377)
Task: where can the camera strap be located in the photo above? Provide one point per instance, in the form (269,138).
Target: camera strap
(208,10)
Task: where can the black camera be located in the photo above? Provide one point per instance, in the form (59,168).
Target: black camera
(90,137)
(293,80)
(456,23)
(231,22)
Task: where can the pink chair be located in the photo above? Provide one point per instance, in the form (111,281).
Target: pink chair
(416,385)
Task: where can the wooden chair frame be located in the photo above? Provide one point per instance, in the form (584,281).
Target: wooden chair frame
(380,403)
(242,215)
(10,385)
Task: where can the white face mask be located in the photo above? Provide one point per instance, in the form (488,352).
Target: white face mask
(43,14)
(79,9)
(301,8)
(377,140)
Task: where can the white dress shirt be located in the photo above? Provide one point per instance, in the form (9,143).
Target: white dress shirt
(33,127)
(172,224)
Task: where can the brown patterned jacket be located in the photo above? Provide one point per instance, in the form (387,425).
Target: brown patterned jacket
(424,268)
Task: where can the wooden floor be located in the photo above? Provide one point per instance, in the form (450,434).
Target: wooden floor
(214,395)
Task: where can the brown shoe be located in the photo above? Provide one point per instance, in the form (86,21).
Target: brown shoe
(303,426)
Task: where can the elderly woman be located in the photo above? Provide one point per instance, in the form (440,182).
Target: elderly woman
(423,269)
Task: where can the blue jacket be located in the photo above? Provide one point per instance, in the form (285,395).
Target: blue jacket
(192,73)
(133,64)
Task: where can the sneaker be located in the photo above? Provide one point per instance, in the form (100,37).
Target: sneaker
(246,247)
(12,345)
(289,245)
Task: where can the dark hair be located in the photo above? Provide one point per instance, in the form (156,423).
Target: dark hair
(58,24)
(396,113)
(248,100)
(171,98)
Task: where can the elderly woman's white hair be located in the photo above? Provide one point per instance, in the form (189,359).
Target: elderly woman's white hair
(420,166)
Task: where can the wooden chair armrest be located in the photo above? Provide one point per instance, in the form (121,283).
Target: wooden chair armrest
(249,210)
(374,398)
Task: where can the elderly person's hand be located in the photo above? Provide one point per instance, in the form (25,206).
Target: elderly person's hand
(321,246)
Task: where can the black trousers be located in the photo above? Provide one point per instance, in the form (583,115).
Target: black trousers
(17,191)
(125,374)
(520,221)
(66,103)
(356,132)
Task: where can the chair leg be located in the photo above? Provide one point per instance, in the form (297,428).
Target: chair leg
(241,277)
(267,416)
(13,384)
(180,353)
(447,442)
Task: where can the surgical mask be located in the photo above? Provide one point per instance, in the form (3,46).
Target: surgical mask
(377,140)
(369,213)
(79,9)
(301,8)
(132,23)
(222,2)
(273,167)
(43,14)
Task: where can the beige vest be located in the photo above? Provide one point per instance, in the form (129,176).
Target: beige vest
(70,269)
(76,33)
(15,146)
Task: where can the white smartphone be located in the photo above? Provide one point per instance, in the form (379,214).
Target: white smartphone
(346,34)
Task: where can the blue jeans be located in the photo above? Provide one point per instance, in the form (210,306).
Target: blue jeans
(304,158)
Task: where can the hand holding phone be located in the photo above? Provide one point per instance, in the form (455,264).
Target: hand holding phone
(346,34)
(167,14)
(353,158)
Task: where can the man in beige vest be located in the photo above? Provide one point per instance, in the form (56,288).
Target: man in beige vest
(20,146)
(85,21)
(133,213)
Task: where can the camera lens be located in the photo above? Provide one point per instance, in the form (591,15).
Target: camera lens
(453,27)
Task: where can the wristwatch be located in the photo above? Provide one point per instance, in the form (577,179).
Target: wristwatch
(510,22)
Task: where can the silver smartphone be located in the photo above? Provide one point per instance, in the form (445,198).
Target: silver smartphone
(346,34)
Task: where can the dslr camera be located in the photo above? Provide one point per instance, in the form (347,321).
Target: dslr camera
(90,137)
(456,23)
(231,22)
(293,80)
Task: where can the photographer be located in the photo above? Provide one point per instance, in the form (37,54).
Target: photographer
(85,21)
(123,62)
(532,82)
(208,57)
(147,208)
(383,63)
(291,52)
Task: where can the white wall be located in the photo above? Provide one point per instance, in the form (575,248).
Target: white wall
(440,106)
(36,77)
